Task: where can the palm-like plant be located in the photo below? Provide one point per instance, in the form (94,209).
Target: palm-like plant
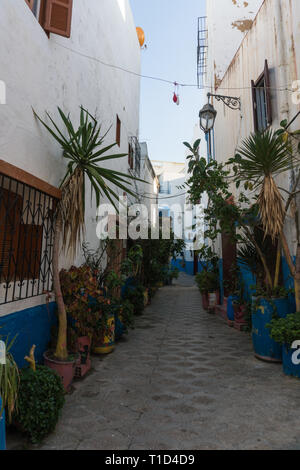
(84,150)
(261,157)
(259,160)
(9,382)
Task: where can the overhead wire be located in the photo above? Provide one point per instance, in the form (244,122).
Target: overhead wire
(159,79)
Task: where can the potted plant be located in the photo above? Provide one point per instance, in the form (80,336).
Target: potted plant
(260,158)
(286,332)
(82,297)
(208,284)
(41,397)
(104,335)
(9,386)
(240,314)
(84,151)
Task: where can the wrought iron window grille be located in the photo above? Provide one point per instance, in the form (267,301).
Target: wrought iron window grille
(26,240)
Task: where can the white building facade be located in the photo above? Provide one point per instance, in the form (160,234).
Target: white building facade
(257,62)
(56,55)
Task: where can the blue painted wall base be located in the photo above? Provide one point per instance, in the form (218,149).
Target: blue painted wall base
(30,326)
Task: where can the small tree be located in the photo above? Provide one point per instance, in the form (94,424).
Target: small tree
(84,151)
(261,158)
(223,213)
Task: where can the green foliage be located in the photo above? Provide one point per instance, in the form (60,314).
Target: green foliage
(223,213)
(278,292)
(82,148)
(173,273)
(260,155)
(41,398)
(82,298)
(157,255)
(285,330)
(208,259)
(127,314)
(136,296)
(9,382)
(207,281)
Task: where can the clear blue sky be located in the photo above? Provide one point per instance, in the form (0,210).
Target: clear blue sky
(171,36)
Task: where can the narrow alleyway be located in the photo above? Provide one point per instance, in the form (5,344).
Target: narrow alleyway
(181,380)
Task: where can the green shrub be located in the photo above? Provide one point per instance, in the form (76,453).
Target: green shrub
(285,330)
(135,295)
(40,398)
(207,281)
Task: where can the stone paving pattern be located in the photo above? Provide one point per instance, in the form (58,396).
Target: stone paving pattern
(182,380)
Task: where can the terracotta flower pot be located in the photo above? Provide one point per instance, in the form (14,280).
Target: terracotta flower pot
(205,301)
(65,369)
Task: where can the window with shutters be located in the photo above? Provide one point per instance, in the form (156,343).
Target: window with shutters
(261,97)
(26,235)
(55,16)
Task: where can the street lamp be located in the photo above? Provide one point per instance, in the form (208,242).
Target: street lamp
(207,117)
(208,113)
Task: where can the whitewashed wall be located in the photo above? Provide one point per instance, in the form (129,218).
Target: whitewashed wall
(275,36)
(40,72)
(227,22)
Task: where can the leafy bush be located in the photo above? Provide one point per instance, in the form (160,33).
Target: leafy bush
(285,330)
(136,296)
(207,281)
(127,314)
(40,399)
(83,299)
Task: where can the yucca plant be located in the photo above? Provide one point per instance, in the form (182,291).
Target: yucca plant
(85,152)
(262,157)
(9,382)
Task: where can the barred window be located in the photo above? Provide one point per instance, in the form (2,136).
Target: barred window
(26,238)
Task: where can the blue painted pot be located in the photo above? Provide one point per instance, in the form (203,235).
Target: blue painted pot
(230,310)
(289,368)
(119,326)
(265,348)
(2,429)
(292,303)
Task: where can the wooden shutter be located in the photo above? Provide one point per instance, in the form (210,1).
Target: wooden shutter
(118,132)
(29,251)
(30,3)
(58,17)
(268,93)
(254,104)
(11,206)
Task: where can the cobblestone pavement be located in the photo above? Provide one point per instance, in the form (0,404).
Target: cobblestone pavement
(181,380)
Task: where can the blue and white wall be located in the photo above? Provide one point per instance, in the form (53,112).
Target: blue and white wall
(45,72)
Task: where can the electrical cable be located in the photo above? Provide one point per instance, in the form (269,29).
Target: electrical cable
(171,82)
